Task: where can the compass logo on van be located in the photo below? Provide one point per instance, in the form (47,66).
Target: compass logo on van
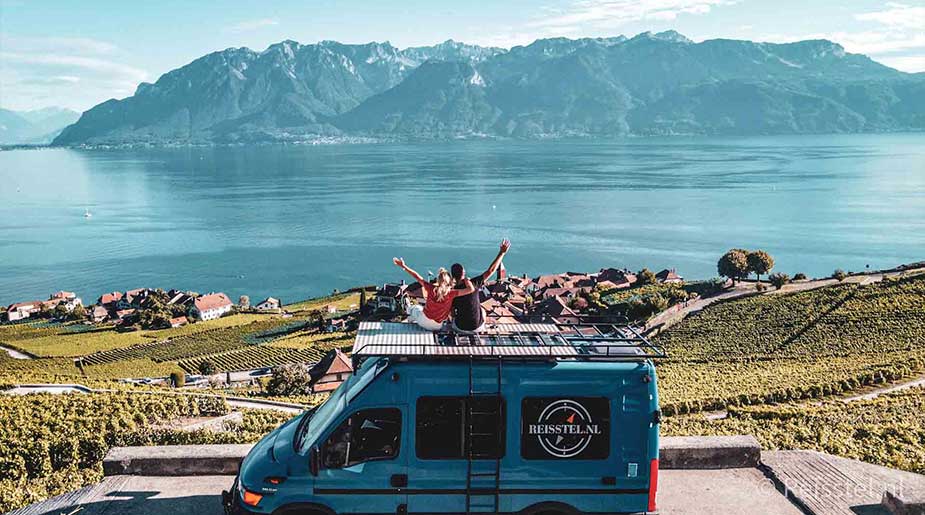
(564,429)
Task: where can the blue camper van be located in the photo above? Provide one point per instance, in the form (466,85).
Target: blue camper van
(526,418)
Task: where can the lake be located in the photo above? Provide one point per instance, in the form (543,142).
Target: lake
(298,221)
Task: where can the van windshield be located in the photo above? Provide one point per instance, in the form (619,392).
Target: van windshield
(317,419)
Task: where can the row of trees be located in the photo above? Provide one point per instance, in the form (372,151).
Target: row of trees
(737,264)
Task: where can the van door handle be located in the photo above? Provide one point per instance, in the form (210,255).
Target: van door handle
(399,480)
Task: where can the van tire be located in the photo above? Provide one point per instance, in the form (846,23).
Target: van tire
(550,508)
(303,510)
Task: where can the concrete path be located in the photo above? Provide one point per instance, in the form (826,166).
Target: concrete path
(140,495)
(895,387)
(720,492)
(681,492)
(25,389)
(15,354)
(828,485)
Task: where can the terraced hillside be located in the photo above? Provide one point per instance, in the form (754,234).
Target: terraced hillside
(774,348)
(236,342)
(888,430)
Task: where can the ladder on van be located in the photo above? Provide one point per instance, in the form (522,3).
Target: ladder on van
(483,471)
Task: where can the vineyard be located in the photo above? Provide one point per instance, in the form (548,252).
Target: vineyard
(253,357)
(50,444)
(50,340)
(775,348)
(888,430)
(834,321)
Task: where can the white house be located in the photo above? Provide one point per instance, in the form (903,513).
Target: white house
(211,306)
(268,304)
(69,299)
(22,310)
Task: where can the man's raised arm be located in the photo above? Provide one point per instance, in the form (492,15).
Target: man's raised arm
(493,267)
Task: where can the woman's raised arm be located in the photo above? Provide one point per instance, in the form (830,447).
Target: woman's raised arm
(400,263)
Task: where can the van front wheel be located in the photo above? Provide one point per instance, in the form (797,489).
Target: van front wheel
(302,510)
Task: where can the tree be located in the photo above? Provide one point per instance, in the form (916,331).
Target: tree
(177,379)
(155,316)
(60,311)
(362,298)
(289,380)
(244,302)
(779,279)
(759,262)
(644,277)
(799,276)
(839,274)
(78,313)
(733,264)
(206,368)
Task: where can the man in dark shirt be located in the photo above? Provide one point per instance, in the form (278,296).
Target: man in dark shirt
(467,309)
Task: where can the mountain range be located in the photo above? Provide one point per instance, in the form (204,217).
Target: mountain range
(34,127)
(650,84)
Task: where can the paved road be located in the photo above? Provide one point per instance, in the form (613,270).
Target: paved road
(15,354)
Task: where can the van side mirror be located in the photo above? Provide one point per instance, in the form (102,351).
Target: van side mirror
(314,460)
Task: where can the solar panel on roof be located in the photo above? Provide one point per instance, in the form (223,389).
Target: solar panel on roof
(537,340)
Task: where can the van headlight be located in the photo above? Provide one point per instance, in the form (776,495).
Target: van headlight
(251,498)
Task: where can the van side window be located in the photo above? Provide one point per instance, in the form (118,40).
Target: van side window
(367,435)
(442,427)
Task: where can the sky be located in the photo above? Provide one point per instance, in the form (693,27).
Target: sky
(76,54)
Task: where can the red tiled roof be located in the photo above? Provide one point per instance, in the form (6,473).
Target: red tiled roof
(341,364)
(545,281)
(36,304)
(109,298)
(212,301)
(558,292)
(178,321)
(63,295)
(555,307)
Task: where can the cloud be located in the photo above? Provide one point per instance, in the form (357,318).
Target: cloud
(911,63)
(84,63)
(900,16)
(611,13)
(900,50)
(252,25)
(78,46)
(39,72)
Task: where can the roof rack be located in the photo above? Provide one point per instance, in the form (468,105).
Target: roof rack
(587,341)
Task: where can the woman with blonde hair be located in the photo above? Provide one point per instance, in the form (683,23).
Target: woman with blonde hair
(439,297)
